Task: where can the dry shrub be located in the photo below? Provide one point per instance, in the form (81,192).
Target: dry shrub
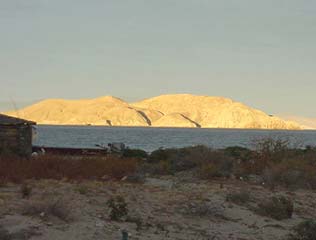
(199,206)
(210,163)
(208,170)
(49,208)
(239,198)
(305,231)
(82,189)
(278,164)
(267,151)
(278,207)
(179,159)
(163,167)
(216,164)
(135,153)
(140,223)
(65,167)
(203,209)
(270,151)
(298,172)
(118,208)
(239,153)
(25,190)
(169,161)
(273,149)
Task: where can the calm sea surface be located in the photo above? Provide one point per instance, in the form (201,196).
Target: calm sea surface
(150,139)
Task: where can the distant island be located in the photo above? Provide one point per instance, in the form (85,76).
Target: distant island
(177,110)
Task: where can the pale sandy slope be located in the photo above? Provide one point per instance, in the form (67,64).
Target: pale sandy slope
(306,123)
(180,110)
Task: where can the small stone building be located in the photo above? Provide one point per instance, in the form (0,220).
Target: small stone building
(15,136)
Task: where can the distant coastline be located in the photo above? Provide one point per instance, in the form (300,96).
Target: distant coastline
(156,127)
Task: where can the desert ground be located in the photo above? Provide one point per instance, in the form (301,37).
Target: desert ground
(193,193)
(167,207)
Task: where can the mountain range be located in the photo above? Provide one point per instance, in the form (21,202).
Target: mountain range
(177,110)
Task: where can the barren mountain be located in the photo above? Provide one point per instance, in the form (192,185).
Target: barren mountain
(180,110)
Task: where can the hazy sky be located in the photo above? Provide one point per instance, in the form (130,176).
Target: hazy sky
(260,52)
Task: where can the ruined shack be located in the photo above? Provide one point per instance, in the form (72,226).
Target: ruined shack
(15,136)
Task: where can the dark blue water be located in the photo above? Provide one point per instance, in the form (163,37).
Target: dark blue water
(150,139)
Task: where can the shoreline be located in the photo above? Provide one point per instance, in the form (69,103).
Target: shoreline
(185,128)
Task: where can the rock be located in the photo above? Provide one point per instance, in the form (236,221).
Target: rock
(124,178)
(255,179)
(136,178)
(106,178)
(155,182)
(99,224)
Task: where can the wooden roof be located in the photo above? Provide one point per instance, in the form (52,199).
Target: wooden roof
(7,120)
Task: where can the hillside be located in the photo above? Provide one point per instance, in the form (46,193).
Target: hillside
(214,112)
(306,123)
(180,110)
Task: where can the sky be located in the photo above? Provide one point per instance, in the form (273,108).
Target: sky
(261,53)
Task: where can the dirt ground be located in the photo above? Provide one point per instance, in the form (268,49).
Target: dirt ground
(172,207)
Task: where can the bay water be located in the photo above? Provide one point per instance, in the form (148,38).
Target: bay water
(150,139)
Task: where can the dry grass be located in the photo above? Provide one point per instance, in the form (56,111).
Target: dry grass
(272,160)
(279,164)
(65,167)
